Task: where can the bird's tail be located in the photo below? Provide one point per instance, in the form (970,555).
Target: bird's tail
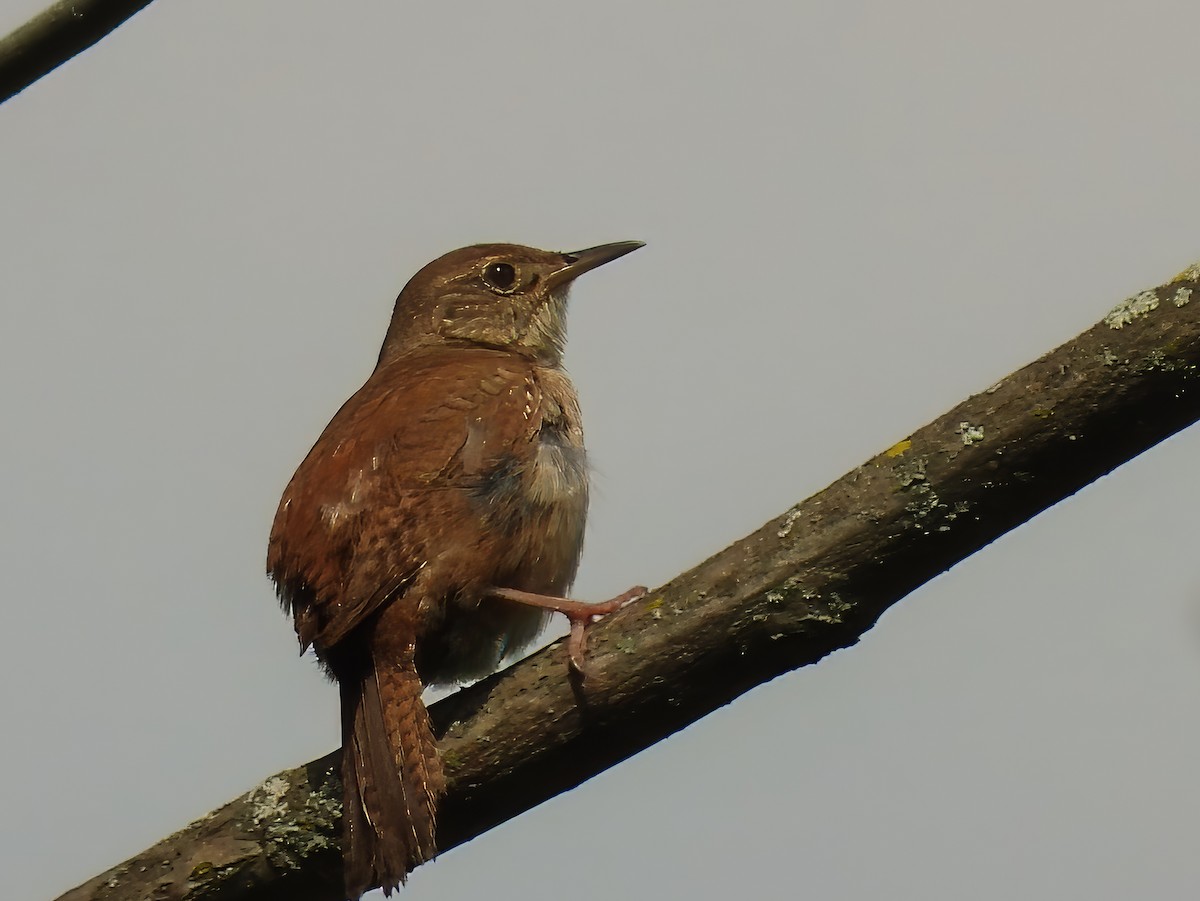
(392,778)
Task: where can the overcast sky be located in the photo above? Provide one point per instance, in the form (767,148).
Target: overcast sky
(857,214)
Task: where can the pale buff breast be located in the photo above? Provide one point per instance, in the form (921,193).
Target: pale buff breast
(555,487)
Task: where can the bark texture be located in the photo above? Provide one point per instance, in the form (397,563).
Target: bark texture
(808,582)
(56,34)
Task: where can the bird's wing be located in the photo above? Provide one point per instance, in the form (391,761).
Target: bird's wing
(398,465)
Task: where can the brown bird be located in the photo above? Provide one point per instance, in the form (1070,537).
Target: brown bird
(435,523)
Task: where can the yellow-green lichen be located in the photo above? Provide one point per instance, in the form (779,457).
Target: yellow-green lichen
(970,434)
(837,604)
(1156,359)
(924,503)
(1131,308)
(898,448)
(1163,360)
(960,507)
(911,473)
(787,588)
(830,618)
(1190,274)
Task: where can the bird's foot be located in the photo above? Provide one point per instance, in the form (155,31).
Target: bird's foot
(579,613)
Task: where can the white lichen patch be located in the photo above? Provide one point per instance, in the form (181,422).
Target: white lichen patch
(292,835)
(1131,308)
(970,434)
(1182,295)
(267,801)
(789,520)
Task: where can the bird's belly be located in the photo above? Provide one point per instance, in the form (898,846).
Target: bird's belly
(534,517)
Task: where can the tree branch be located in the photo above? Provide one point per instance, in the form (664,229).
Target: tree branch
(810,581)
(55,35)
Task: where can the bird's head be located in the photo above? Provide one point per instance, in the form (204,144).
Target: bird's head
(493,295)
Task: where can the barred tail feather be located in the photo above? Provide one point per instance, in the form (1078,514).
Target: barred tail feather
(392,779)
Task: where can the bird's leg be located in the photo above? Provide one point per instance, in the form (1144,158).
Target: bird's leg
(580,614)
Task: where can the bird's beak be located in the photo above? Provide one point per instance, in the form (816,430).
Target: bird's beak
(580,261)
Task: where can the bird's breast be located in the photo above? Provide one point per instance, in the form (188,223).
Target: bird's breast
(557,473)
(539,498)
(556,477)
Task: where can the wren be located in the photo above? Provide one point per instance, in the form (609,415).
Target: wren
(436,523)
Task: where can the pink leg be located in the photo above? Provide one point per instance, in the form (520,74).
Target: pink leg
(580,613)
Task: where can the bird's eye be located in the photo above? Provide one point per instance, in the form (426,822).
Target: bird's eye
(500,277)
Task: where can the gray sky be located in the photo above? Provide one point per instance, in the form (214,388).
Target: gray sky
(856,213)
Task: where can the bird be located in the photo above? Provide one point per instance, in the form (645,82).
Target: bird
(435,524)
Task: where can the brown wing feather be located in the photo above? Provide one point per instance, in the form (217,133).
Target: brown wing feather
(384,486)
